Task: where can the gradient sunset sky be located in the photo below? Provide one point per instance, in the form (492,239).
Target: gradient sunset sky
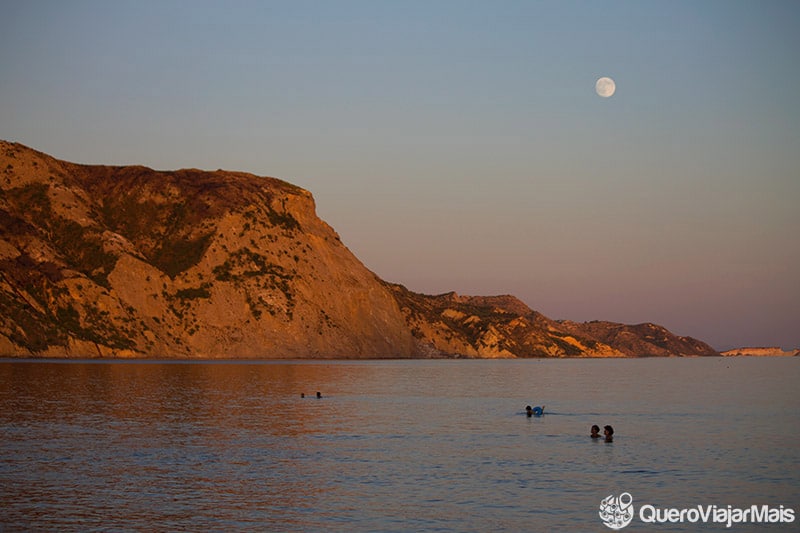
(460,145)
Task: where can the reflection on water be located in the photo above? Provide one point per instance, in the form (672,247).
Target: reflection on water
(392,445)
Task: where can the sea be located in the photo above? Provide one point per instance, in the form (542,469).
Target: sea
(699,444)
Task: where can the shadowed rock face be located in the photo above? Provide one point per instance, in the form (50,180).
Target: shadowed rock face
(99,261)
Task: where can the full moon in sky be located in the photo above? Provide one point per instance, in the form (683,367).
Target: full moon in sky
(605,87)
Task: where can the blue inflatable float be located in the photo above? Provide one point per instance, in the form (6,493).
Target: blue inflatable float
(536,411)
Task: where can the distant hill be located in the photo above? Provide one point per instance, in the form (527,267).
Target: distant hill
(113,261)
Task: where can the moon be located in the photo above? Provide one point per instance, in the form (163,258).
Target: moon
(605,87)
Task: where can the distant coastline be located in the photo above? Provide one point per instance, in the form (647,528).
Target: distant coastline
(761,351)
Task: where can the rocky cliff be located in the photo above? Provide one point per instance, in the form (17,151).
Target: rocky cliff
(101,261)
(503,326)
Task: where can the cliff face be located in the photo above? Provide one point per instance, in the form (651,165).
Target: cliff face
(99,261)
(128,261)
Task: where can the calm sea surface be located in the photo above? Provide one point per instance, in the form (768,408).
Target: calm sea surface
(392,445)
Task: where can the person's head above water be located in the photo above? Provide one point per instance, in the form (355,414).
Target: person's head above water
(528,410)
(608,431)
(595,434)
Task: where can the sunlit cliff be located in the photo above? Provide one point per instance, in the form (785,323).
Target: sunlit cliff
(102,261)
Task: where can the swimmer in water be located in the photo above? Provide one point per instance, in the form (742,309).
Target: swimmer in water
(608,431)
(595,434)
(534,411)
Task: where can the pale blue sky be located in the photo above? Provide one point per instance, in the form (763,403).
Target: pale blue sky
(460,145)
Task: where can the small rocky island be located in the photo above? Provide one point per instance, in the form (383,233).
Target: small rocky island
(130,262)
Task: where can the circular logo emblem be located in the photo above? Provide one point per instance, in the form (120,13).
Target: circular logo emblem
(616,512)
